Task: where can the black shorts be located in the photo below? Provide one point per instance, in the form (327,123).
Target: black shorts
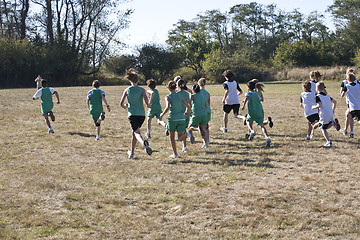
(235,107)
(313,118)
(325,126)
(355,114)
(136,122)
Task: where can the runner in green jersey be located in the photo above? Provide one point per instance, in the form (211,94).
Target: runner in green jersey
(45,93)
(176,119)
(255,112)
(182,90)
(206,95)
(95,98)
(199,114)
(155,108)
(135,96)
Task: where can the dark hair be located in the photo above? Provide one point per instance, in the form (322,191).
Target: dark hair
(315,75)
(307,85)
(96,84)
(196,88)
(181,84)
(350,77)
(43,83)
(251,85)
(132,75)
(151,83)
(228,74)
(171,85)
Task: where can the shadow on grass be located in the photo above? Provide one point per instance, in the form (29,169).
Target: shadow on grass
(264,163)
(82,134)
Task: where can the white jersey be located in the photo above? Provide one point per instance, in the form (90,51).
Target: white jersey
(353,95)
(232,98)
(308,99)
(343,86)
(326,113)
(313,86)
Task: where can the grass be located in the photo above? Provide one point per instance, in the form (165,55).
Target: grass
(68,186)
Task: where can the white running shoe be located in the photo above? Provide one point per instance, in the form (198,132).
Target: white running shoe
(307,137)
(174,156)
(252,135)
(51,130)
(223,129)
(130,154)
(185,149)
(147,135)
(167,133)
(328,144)
(267,142)
(97,138)
(343,131)
(205,145)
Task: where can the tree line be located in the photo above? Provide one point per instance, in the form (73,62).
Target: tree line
(68,39)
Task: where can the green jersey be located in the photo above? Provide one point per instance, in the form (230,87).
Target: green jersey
(255,108)
(185,95)
(135,101)
(95,101)
(206,96)
(155,106)
(198,105)
(176,110)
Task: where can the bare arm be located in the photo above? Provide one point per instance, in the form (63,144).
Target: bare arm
(167,106)
(209,100)
(57,96)
(225,96)
(107,105)
(187,106)
(122,104)
(244,102)
(317,106)
(145,98)
(333,104)
(151,94)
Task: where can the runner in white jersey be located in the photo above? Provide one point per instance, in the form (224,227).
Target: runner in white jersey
(352,91)
(348,119)
(326,106)
(231,98)
(314,77)
(307,100)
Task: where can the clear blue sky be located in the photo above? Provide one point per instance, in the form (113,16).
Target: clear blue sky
(152,19)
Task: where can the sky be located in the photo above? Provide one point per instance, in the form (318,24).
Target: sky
(152,19)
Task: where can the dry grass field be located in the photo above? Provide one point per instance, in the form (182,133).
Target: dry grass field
(69,186)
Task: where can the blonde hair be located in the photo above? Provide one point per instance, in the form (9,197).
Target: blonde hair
(320,85)
(202,82)
(350,70)
(132,76)
(315,75)
(177,78)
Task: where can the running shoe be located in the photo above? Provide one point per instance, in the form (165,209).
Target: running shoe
(185,149)
(351,135)
(51,114)
(343,131)
(130,154)
(102,116)
(271,123)
(51,131)
(147,135)
(147,147)
(267,142)
(174,156)
(223,129)
(328,144)
(336,124)
(252,135)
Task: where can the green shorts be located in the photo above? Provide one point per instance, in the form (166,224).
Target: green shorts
(177,126)
(95,115)
(258,119)
(187,120)
(199,120)
(152,114)
(46,109)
